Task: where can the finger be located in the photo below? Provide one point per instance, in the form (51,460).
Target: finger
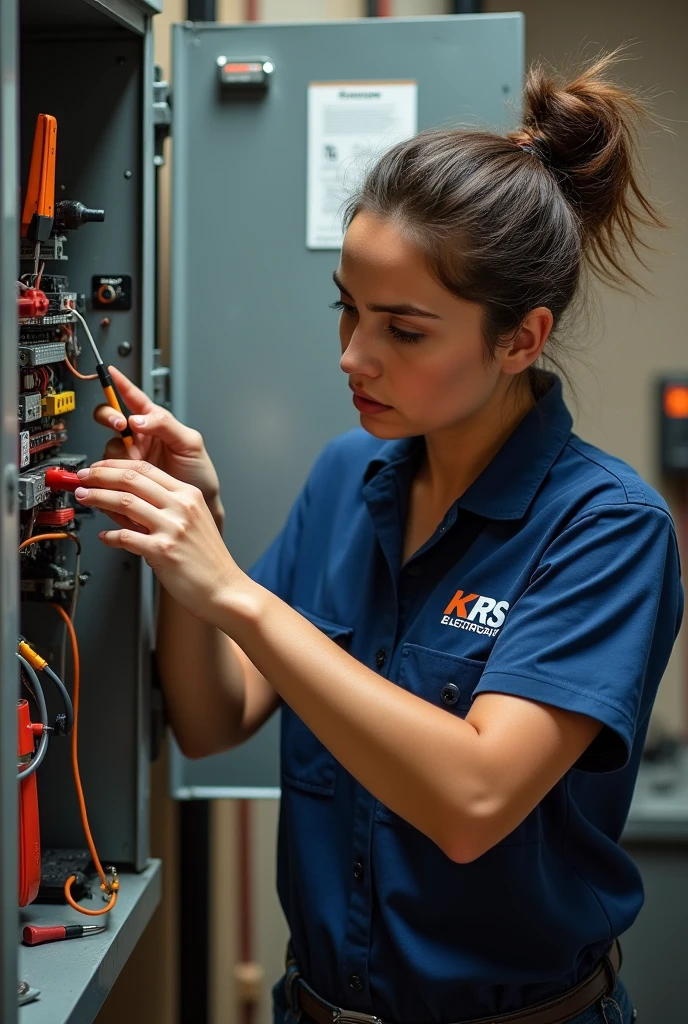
(122,503)
(106,416)
(116,449)
(135,399)
(129,540)
(125,522)
(133,478)
(92,475)
(162,424)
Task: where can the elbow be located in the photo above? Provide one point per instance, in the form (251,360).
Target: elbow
(463,850)
(470,835)
(197,747)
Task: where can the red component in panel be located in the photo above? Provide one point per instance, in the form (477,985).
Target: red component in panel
(33,302)
(29,835)
(61,480)
(56,517)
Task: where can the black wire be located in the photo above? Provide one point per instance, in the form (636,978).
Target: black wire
(66,699)
(40,701)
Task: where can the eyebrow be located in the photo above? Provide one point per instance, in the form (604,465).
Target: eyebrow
(404,310)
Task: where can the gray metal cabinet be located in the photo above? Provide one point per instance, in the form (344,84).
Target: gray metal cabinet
(89,63)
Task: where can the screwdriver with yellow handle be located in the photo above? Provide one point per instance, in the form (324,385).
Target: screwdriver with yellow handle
(112,395)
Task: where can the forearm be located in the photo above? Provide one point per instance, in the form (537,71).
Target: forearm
(421,762)
(202,679)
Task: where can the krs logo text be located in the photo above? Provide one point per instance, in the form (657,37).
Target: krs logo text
(486,615)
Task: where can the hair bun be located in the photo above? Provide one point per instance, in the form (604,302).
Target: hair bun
(585,131)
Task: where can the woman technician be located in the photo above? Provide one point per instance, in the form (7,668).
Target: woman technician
(468,612)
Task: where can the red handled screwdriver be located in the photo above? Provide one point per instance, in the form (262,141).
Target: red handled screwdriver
(33,935)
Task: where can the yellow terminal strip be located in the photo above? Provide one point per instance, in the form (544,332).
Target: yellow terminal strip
(34,660)
(57,404)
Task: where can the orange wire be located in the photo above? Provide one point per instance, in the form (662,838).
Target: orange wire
(106,886)
(49,536)
(81,376)
(109,887)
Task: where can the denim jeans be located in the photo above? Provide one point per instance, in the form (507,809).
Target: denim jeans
(615,1008)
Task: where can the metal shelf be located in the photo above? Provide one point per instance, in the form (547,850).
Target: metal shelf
(659,811)
(75,976)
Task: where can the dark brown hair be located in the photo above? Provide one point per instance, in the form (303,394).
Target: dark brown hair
(511,221)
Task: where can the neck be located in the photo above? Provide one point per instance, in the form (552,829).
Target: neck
(457,455)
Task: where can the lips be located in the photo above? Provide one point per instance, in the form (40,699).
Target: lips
(360,393)
(367,405)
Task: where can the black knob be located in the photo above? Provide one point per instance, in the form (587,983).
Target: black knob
(70,215)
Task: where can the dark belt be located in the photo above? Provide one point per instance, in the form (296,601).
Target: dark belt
(303,1000)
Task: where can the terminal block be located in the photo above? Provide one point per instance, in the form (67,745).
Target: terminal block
(32,489)
(41,353)
(30,407)
(57,404)
(24,449)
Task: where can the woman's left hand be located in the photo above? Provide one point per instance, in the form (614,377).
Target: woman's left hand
(168,523)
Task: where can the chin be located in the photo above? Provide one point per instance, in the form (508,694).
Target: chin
(385,431)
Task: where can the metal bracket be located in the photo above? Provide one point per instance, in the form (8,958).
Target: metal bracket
(160,381)
(162,114)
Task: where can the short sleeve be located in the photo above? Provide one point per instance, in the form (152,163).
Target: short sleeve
(593,631)
(274,570)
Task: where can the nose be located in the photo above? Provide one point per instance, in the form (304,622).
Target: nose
(358,357)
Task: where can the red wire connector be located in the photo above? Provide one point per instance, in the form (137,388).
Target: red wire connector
(56,517)
(32,302)
(61,479)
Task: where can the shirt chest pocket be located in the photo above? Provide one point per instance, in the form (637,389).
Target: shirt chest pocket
(448,682)
(306,764)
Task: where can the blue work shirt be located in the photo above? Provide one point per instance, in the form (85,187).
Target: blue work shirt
(555,577)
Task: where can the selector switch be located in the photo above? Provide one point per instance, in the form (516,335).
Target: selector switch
(111,292)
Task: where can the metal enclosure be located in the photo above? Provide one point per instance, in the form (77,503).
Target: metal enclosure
(114,613)
(254,345)
(90,63)
(9,525)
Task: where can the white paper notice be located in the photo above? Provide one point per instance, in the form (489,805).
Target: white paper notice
(350,125)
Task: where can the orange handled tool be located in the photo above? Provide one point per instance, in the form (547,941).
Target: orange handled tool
(112,395)
(114,399)
(39,205)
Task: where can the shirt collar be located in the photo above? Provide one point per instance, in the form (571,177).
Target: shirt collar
(507,486)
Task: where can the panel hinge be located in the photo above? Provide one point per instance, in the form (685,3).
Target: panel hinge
(160,381)
(162,114)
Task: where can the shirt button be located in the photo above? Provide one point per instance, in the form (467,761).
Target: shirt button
(355,983)
(450,694)
(358,871)
(381,657)
(414,570)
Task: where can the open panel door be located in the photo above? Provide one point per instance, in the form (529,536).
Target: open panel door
(255,349)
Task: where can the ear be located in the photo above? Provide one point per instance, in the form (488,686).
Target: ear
(528,342)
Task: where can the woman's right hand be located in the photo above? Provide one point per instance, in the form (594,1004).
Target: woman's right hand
(161,440)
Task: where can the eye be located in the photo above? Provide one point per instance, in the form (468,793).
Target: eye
(344,307)
(405,336)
